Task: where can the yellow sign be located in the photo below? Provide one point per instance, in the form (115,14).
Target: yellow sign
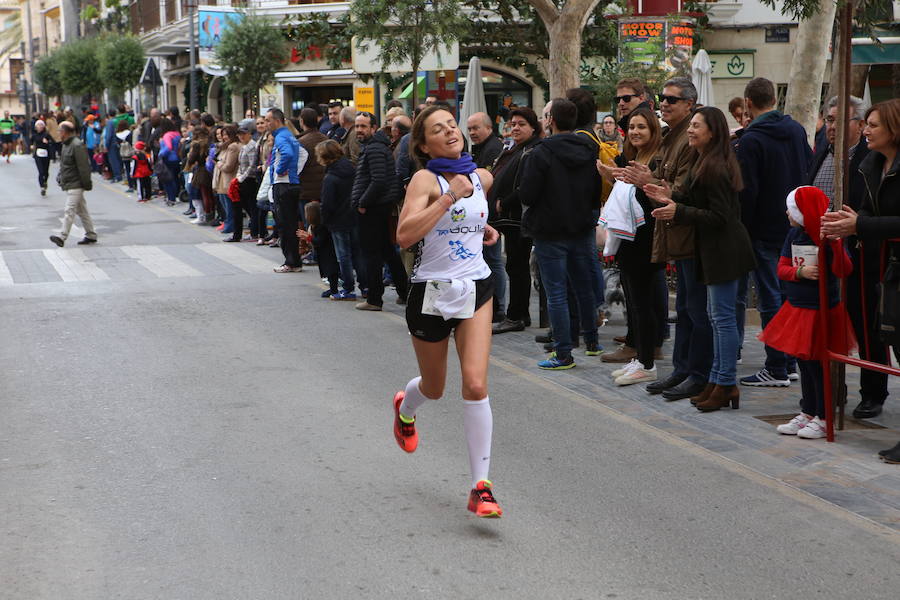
(364,99)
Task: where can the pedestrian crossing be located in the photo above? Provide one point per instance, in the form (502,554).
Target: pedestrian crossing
(131,263)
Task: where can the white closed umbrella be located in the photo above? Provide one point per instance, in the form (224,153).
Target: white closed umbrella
(473,98)
(701,73)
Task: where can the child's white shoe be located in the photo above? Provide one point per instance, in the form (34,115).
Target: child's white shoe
(633,364)
(814,430)
(794,425)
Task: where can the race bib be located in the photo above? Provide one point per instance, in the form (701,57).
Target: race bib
(804,256)
(41,153)
(435,289)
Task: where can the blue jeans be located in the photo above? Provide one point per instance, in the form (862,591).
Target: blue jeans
(721,299)
(226,204)
(493,256)
(563,262)
(692,353)
(346,247)
(769,299)
(171,185)
(115,163)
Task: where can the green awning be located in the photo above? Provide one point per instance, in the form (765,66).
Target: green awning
(887,54)
(407,91)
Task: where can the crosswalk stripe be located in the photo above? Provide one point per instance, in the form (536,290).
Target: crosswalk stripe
(73,265)
(160,263)
(233,255)
(5,275)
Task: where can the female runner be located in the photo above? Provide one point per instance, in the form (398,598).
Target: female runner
(445,217)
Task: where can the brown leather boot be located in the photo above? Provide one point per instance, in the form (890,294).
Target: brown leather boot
(721,397)
(704,394)
(622,355)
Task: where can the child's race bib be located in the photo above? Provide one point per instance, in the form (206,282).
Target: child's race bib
(804,256)
(41,152)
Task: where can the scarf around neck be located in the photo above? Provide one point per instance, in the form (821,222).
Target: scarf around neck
(461,166)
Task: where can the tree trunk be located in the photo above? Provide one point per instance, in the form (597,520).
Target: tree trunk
(564,27)
(565,57)
(808,68)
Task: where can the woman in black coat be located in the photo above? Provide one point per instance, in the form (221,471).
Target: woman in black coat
(723,252)
(42,144)
(504,199)
(878,220)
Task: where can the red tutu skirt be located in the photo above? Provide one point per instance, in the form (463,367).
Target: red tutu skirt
(796,331)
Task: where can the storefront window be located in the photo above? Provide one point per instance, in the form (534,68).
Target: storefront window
(322,94)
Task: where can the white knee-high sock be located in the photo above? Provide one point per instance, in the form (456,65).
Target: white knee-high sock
(413,399)
(479,425)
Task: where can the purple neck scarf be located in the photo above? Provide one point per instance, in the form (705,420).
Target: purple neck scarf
(461,166)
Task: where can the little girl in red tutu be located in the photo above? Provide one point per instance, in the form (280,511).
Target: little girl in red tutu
(795,330)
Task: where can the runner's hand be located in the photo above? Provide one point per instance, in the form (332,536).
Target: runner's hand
(461,186)
(491,235)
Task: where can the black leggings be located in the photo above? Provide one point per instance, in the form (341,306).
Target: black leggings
(638,281)
(43,167)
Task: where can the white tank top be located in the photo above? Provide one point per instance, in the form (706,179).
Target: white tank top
(453,248)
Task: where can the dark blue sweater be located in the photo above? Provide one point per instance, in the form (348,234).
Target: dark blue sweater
(804,293)
(775,158)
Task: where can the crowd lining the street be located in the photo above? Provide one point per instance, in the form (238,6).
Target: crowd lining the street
(668,183)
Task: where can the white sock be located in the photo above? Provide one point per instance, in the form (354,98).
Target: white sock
(413,399)
(479,424)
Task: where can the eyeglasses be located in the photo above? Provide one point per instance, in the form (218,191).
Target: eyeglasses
(626,98)
(546,115)
(670,99)
(833,120)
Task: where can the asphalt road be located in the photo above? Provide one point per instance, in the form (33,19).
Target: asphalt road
(178,423)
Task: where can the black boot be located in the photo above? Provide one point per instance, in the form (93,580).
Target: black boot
(891,455)
(867,409)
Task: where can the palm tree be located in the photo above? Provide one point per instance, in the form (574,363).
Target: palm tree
(11,36)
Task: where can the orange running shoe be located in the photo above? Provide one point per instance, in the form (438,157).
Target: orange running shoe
(482,503)
(405,433)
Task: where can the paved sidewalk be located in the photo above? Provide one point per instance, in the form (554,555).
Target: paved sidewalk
(847,473)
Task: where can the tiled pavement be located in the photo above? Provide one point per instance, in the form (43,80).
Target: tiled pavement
(846,473)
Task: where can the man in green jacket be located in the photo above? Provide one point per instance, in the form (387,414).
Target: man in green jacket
(75,179)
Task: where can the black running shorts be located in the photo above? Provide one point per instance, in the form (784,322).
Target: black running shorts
(432,328)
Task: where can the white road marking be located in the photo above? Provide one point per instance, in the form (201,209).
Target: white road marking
(159,262)
(5,275)
(234,255)
(73,265)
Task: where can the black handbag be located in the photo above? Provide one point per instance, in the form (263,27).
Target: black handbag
(889,304)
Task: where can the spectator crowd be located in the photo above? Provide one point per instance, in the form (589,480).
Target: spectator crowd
(587,210)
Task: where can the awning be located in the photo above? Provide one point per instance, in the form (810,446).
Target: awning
(213,70)
(864,51)
(407,91)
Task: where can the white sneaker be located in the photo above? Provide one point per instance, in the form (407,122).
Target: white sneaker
(794,425)
(793,376)
(633,364)
(637,375)
(814,430)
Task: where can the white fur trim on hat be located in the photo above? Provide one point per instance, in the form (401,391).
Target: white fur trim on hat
(792,209)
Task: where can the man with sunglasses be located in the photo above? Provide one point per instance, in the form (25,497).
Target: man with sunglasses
(693,350)
(631,95)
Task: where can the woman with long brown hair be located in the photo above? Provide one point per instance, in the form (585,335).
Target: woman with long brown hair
(227,162)
(722,248)
(444,216)
(642,141)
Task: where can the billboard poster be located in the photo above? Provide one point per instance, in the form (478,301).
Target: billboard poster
(647,40)
(211,24)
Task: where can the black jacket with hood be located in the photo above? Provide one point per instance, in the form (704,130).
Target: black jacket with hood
(337,213)
(559,187)
(775,158)
(376,182)
(879,214)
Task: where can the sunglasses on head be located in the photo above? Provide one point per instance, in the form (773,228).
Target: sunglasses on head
(625,98)
(670,99)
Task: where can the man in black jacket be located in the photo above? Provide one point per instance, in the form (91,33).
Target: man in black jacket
(774,157)
(560,186)
(375,194)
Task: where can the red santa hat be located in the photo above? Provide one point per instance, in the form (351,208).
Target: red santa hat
(140,146)
(806,205)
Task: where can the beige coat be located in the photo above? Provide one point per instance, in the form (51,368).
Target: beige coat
(226,167)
